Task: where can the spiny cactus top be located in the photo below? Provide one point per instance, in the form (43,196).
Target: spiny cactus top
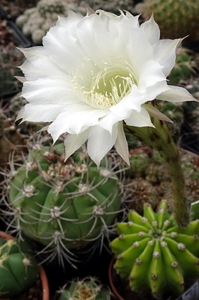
(85,289)
(18,267)
(155,254)
(64,204)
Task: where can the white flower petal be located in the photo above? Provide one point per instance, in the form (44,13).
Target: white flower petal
(132,101)
(150,74)
(39,113)
(108,121)
(141,119)
(100,141)
(73,142)
(152,30)
(165,54)
(74,120)
(154,112)
(121,144)
(61,46)
(49,90)
(176,94)
(33,52)
(41,67)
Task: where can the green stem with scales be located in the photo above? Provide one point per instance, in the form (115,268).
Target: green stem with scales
(160,139)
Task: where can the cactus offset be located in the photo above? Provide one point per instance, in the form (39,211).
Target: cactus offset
(85,289)
(155,254)
(18,267)
(64,204)
(176,18)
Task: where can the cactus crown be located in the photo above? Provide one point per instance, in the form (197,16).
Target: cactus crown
(18,267)
(64,204)
(85,289)
(155,254)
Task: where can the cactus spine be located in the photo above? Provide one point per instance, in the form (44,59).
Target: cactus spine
(64,204)
(18,267)
(155,254)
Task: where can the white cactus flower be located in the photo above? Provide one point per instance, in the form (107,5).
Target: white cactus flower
(95,72)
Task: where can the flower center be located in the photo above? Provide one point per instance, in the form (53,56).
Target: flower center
(109,87)
(106,87)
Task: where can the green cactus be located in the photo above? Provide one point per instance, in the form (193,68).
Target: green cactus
(176,18)
(85,289)
(62,204)
(155,254)
(18,267)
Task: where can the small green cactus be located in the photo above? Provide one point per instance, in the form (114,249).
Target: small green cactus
(85,289)
(18,267)
(176,18)
(62,204)
(155,254)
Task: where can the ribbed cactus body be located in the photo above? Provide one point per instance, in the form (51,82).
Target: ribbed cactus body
(155,254)
(64,204)
(18,267)
(176,18)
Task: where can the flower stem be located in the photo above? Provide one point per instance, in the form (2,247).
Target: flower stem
(160,139)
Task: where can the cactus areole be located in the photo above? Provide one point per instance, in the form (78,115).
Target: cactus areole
(155,254)
(64,204)
(18,267)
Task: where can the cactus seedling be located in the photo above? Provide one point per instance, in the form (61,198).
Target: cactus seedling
(85,289)
(18,267)
(64,204)
(155,254)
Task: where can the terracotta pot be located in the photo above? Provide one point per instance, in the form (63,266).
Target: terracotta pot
(111,281)
(43,277)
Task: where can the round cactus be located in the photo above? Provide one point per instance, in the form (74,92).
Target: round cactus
(18,267)
(64,204)
(85,289)
(176,18)
(155,254)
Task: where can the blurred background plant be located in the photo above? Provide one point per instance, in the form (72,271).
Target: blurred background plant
(176,18)
(10,59)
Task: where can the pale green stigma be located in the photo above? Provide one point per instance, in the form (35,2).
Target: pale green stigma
(106,86)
